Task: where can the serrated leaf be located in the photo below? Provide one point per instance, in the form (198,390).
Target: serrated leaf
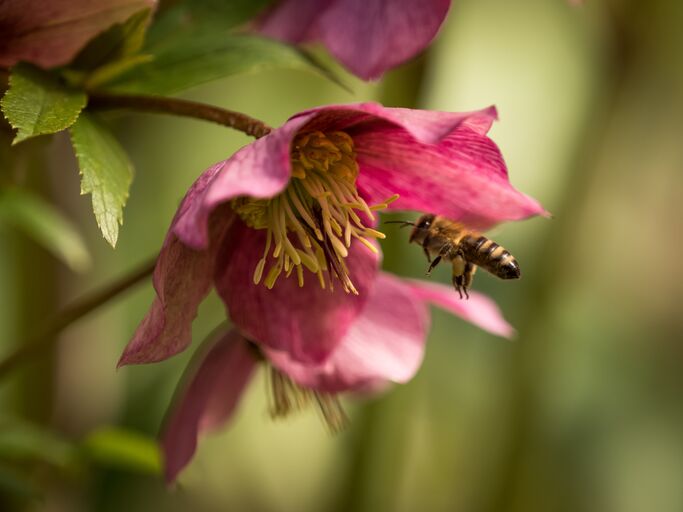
(124,449)
(37,103)
(106,173)
(200,58)
(46,225)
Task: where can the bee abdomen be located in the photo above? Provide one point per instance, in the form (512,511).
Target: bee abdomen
(490,256)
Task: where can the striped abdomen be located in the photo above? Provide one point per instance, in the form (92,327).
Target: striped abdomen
(490,256)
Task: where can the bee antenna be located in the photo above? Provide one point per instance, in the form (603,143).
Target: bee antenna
(403,223)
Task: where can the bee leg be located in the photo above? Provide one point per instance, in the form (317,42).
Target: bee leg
(468,277)
(459,267)
(442,252)
(433,264)
(425,248)
(457,285)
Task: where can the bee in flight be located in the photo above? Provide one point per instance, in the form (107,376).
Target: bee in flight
(444,239)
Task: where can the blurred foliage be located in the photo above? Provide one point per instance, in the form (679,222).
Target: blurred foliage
(46,225)
(581,412)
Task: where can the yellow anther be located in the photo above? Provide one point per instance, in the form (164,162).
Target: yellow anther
(322,206)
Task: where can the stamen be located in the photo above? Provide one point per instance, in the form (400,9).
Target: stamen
(287,397)
(313,222)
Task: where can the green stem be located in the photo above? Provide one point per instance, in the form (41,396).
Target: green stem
(46,337)
(180,107)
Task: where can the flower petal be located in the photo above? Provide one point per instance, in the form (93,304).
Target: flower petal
(260,169)
(385,343)
(370,37)
(463,177)
(182,278)
(307,322)
(478,309)
(51,33)
(427,126)
(208,401)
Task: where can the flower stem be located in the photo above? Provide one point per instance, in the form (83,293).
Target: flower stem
(180,107)
(47,336)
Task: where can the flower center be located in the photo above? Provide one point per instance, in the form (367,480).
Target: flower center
(313,221)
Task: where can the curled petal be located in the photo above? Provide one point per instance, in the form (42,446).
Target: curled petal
(308,322)
(463,177)
(208,401)
(260,169)
(182,278)
(427,126)
(50,33)
(385,343)
(478,310)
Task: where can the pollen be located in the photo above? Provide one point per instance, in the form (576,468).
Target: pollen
(312,223)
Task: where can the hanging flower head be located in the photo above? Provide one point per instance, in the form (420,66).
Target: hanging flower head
(285,227)
(368,37)
(285,230)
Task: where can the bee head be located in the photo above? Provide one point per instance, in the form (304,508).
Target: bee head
(422,226)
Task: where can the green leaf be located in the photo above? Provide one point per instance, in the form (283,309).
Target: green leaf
(111,70)
(45,225)
(124,449)
(38,103)
(203,16)
(106,173)
(200,58)
(118,42)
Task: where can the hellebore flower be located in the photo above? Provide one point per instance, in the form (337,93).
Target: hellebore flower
(51,33)
(285,231)
(368,37)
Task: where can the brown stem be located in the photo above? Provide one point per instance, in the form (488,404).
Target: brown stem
(180,107)
(81,307)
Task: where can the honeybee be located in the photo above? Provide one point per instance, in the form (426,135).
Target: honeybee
(466,249)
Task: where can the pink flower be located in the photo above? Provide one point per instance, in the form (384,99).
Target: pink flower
(368,37)
(50,33)
(285,231)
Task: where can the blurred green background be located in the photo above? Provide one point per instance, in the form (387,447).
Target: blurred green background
(582,411)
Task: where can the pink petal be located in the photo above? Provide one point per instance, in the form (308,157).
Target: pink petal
(384,343)
(182,278)
(463,177)
(292,20)
(371,37)
(478,310)
(260,169)
(50,33)
(307,322)
(208,401)
(427,126)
